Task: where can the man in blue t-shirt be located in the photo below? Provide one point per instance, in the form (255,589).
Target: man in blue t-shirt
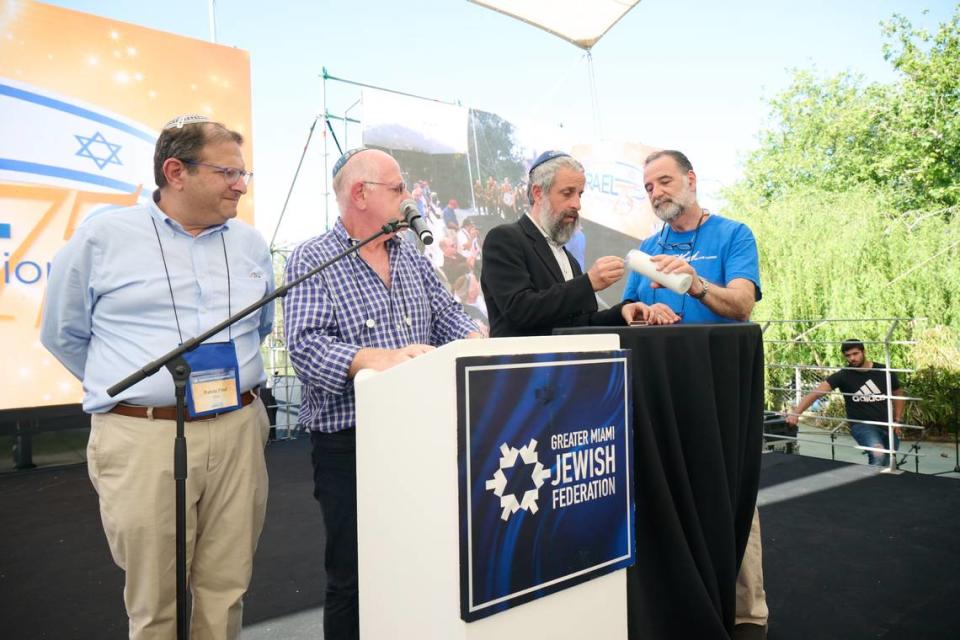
(721,257)
(718,253)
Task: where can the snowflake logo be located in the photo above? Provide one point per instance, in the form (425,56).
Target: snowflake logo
(532,470)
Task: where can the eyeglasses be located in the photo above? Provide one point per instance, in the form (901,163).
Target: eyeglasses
(678,246)
(231,175)
(396,188)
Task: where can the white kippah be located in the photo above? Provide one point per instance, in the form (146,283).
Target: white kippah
(191,118)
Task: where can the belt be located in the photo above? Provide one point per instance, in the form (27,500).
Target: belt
(170,413)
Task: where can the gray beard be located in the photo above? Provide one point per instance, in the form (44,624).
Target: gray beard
(555,228)
(668,211)
(671,210)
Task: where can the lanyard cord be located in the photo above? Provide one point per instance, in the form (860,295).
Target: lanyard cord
(169,284)
(226,264)
(173,300)
(693,247)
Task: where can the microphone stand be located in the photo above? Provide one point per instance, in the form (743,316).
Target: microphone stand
(956,434)
(175,363)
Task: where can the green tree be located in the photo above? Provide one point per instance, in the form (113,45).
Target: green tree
(496,147)
(852,195)
(923,159)
(903,138)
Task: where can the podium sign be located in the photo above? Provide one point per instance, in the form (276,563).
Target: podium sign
(545,475)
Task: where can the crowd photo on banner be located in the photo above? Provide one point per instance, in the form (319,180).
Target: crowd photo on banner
(459,213)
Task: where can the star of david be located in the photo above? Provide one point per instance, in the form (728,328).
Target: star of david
(107,151)
(521,480)
(530,472)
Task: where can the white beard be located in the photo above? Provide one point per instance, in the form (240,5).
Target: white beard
(669,208)
(668,211)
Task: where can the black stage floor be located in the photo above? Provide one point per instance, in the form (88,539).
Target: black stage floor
(848,553)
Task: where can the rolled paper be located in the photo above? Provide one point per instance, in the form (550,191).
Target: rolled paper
(641,263)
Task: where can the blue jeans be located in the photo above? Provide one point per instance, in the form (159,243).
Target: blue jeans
(872,435)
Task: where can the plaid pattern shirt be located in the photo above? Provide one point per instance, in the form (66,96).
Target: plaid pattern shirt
(327,319)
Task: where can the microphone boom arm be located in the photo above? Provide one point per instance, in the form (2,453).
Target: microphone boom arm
(189,345)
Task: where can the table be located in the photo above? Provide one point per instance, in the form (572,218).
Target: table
(698,429)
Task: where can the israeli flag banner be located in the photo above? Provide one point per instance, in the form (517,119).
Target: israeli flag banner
(545,447)
(49,139)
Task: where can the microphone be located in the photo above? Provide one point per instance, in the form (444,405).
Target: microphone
(640,262)
(411,215)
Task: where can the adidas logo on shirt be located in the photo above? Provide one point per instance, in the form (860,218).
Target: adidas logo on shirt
(869,392)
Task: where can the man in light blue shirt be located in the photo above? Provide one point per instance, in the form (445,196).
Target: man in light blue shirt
(130,285)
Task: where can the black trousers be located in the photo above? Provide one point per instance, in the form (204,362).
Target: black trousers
(334,458)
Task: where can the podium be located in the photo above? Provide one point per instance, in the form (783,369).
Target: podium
(408,509)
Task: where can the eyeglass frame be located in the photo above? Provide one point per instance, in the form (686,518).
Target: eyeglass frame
(396,188)
(242,174)
(680,246)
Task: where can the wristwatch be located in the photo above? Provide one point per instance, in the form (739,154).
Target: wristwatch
(704,287)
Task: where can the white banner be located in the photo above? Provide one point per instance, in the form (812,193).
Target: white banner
(614,195)
(413,124)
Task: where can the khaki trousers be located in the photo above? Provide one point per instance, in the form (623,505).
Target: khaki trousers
(130,462)
(751,604)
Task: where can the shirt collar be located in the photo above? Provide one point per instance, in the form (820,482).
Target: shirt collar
(345,239)
(175,228)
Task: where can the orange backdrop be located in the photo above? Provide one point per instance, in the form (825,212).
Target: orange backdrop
(119,73)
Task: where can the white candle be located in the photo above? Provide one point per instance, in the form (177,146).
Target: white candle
(641,263)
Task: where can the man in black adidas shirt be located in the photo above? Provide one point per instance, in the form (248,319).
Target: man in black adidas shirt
(864,387)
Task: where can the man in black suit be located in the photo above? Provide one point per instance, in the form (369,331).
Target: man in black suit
(531,284)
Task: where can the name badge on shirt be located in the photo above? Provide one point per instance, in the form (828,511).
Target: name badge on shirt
(214,385)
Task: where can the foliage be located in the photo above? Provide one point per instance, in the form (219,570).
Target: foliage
(496,147)
(817,264)
(903,138)
(936,359)
(924,136)
(836,255)
(852,195)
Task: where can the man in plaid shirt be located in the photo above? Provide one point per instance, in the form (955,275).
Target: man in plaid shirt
(373,309)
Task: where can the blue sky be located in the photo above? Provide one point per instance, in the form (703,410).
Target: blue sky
(692,75)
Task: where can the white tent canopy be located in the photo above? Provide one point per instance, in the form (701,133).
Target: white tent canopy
(581,22)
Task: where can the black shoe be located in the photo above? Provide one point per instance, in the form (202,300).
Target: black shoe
(748,631)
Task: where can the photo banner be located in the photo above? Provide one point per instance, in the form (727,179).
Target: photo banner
(615,196)
(82,100)
(461,196)
(405,123)
(545,475)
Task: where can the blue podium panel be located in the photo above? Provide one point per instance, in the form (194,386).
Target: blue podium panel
(546,470)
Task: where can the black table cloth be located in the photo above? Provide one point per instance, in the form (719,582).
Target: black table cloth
(698,428)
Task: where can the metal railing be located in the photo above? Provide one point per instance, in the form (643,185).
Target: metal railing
(782,360)
(287,390)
